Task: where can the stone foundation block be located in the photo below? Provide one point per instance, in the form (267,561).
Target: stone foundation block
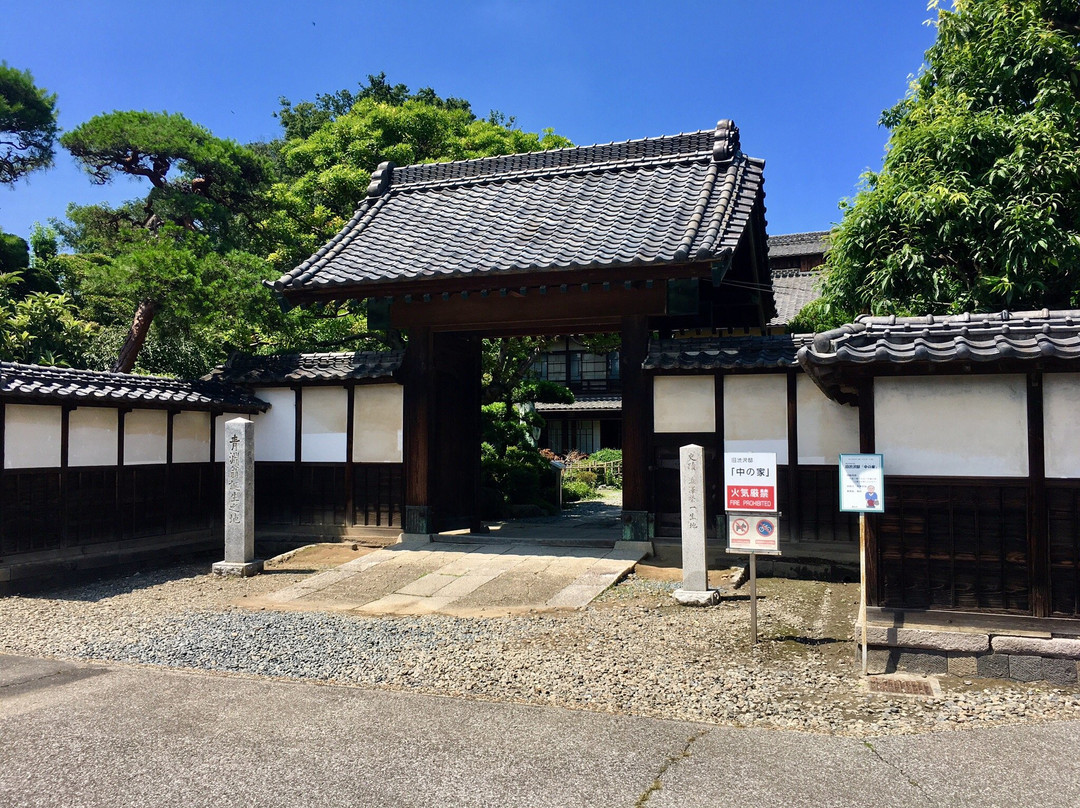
(880,660)
(1026,668)
(993,666)
(1034,646)
(1042,669)
(924,662)
(930,640)
(694,597)
(960,664)
(242,569)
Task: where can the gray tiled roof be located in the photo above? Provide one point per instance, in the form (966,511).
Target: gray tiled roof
(793,289)
(583,404)
(1002,338)
(36,383)
(725,353)
(308,367)
(798,244)
(652,201)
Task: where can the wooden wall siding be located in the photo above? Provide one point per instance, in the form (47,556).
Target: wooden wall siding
(378,494)
(954,546)
(32,512)
(91,505)
(50,509)
(1063,518)
(667,506)
(814,515)
(316,494)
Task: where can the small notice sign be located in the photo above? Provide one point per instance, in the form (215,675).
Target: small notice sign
(750,481)
(751,533)
(862,483)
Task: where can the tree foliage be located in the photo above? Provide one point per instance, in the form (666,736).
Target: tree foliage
(27,125)
(977,205)
(331,146)
(200,182)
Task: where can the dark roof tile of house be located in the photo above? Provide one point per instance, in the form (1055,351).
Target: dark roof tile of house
(875,343)
(793,289)
(725,353)
(653,201)
(798,244)
(1028,335)
(308,367)
(583,403)
(40,384)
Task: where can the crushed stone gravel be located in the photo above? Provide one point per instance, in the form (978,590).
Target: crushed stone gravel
(632,651)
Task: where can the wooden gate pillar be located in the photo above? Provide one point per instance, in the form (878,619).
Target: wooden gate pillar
(637,428)
(418,405)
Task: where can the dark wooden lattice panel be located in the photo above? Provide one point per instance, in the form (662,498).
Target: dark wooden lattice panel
(274,494)
(193,495)
(321,493)
(1063,504)
(91,505)
(817,515)
(667,502)
(960,546)
(32,513)
(378,493)
(143,494)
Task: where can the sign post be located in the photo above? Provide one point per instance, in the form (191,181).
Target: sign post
(862,491)
(753,522)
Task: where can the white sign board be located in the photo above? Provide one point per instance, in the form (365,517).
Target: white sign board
(751,533)
(750,481)
(862,483)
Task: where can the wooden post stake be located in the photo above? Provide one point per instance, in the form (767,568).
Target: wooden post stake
(753,598)
(862,585)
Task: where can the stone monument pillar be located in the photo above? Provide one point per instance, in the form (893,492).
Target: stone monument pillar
(239,500)
(695,583)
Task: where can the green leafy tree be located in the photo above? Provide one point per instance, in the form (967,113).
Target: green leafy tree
(204,202)
(39,327)
(977,205)
(27,125)
(330,147)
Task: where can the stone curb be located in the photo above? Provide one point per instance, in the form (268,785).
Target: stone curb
(1033,646)
(929,640)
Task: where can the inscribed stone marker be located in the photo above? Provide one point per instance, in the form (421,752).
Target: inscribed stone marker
(692,485)
(239,500)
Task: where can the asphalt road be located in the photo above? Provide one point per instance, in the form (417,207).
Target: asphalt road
(91,735)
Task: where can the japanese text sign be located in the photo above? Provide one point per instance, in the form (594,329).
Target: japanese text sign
(750,481)
(862,483)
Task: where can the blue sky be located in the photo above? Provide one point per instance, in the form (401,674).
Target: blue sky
(805,81)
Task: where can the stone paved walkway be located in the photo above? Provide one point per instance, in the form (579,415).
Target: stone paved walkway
(420,577)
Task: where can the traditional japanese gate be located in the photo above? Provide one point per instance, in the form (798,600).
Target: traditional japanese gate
(638,237)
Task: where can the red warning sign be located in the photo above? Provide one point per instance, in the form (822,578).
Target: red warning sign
(750,481)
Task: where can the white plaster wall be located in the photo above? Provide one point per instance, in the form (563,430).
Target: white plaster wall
(826,429)
(220,446)
(323,424)
(377,423)
(191,437)
(684,404)
(952,426)
(31,436)
(92,436)
(755,414)
(146,436)
(276,427)
(1061,424)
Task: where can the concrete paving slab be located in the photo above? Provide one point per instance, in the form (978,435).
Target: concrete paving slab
(461,579)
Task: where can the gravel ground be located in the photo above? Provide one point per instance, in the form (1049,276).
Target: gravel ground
(632,651)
